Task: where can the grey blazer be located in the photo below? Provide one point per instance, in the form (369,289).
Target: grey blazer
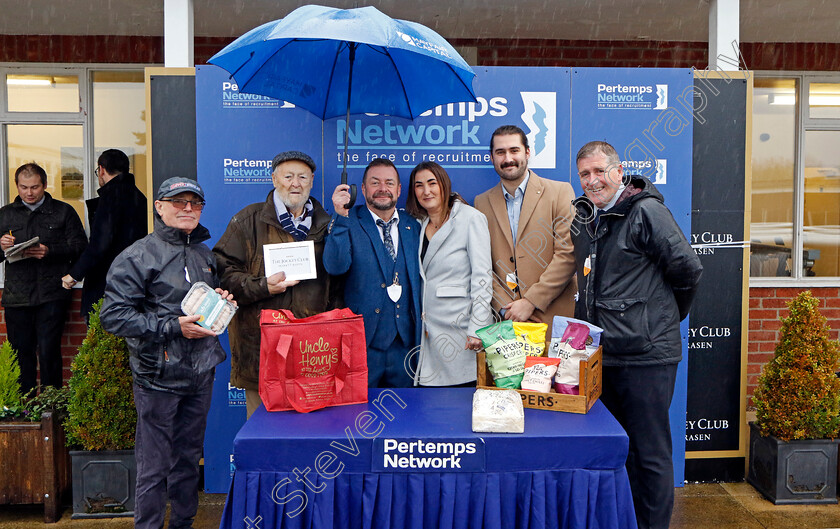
(457,289)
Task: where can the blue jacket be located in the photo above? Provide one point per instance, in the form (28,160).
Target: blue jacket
(354,247)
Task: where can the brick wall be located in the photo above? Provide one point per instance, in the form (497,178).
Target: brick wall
(81,49)
(75,330)
(813,56)
(767,307)
(653,54)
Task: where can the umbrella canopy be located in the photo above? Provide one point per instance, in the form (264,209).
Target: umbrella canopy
(399,68)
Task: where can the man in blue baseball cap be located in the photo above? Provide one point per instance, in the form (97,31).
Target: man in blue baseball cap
(172,357)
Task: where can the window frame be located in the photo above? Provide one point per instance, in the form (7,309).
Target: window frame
(803,124)
(83,117)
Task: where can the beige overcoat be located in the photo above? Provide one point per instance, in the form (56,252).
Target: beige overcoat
(542,261)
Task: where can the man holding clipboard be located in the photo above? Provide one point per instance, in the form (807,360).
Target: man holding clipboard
(50,237)
(288,215)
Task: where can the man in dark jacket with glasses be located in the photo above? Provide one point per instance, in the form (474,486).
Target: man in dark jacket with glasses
(637,275)
(117,218)
(172,357)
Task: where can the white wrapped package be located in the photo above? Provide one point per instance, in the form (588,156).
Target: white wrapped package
(497,410)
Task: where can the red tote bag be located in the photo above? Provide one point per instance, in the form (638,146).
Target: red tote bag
(311,363)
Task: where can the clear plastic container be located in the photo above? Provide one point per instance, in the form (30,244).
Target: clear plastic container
(215,313)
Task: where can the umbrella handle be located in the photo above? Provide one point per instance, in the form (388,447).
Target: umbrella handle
(352,189)
(352,197)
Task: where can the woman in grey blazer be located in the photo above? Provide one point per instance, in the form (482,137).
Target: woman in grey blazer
(457,287)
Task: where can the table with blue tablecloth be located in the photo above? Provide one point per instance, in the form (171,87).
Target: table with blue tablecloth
(325,469)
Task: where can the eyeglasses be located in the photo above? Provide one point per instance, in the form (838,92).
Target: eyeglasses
(180,203)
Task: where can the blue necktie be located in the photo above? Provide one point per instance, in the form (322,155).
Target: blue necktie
(386,236)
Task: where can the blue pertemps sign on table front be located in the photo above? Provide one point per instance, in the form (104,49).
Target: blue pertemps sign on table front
(427,455)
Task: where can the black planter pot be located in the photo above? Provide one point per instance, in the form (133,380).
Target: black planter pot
(103,483)
(795,471)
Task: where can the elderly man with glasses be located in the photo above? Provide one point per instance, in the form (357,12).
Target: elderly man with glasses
(172,357)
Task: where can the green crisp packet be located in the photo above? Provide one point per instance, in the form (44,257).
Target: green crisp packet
(504,353)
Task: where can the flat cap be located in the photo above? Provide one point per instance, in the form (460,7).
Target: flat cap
(292,155)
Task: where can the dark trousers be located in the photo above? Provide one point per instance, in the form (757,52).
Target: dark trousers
(169,440)
(37,328)
(639,398)
(389,367)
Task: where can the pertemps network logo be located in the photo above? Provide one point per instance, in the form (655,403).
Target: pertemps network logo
(540,116)
(661,175)
(656,170)
(631,97)
(236,396)
(233,98)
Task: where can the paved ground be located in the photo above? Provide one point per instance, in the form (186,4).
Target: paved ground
(697,506)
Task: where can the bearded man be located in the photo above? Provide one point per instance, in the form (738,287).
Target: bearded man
(288,214)
(529,219)
(375,246)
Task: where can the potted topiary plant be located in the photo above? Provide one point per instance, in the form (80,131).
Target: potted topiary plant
(101,421)
(793,443)
(33,455)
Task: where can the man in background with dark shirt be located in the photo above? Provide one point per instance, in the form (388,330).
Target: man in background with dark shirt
(117,218)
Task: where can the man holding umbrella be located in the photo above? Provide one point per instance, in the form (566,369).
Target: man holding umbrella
(376,246)
(401,69)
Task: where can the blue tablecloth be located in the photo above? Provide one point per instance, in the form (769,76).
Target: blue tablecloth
(566,470)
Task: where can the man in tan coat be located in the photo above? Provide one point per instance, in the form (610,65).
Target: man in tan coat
(529,219)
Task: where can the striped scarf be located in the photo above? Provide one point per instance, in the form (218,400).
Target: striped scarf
(296,227)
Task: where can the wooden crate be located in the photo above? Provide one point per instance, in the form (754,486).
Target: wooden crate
(590,388)
(34,464)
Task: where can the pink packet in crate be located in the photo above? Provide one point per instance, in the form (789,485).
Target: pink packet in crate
(571,351)
(576,335)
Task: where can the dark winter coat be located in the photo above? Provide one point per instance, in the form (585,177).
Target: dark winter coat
(239,256)
(31,281)
(118,217)
(643,276)
(143,294)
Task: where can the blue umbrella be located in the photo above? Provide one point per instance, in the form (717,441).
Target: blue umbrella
(317,57)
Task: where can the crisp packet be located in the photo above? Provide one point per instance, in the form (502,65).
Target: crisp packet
(214,312)
(504,354)
(539,372)
(532,337)
(567,379)
(576,335)
(558,331)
